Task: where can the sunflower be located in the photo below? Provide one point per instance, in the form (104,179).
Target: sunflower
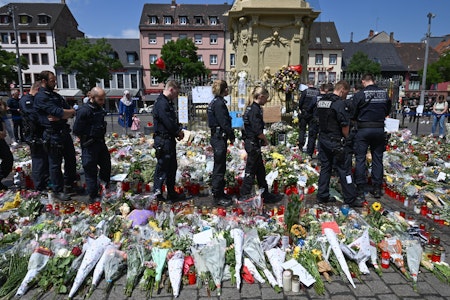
(376,206)
(298,231)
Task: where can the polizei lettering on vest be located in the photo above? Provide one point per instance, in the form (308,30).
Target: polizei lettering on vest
(324,104)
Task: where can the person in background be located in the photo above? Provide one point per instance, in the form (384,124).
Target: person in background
(254,138)
(5,118)
(6,157)
(86,99)
(413,104)
(440,109)
(372,105)
(219,121)
(126,110)
(167,131)
(33,137)
(14,110)
(90,127)
(306,110)
(334,124)
(53,113)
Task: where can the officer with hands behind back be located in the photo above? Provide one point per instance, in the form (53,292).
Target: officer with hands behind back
(219,121)
(90,127)
(254,138)
(371,105)
(334,122)
(33,137)
(306,106)
(167,129)
(54,112)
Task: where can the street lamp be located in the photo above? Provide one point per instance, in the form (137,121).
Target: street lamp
(425,64)
(19,68)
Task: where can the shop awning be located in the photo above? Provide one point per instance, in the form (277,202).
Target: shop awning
(116,93)
(150,97)
(70,92)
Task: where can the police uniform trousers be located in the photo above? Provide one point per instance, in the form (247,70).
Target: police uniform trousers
(96,161)
(61,147)
(166,167)
(39,166)
(375,139)
(328,159)
(313,131)
(254,167)
(219,145)
(7,159)
(303,122)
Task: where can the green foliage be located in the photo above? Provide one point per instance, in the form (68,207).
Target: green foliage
(90,61)
(438,71)
(362,64)
(8,68)
(54,274)
(181,59)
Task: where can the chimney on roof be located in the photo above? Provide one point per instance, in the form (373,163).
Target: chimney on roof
(63,1)
(391,37)
(351,37)
(174,3)
(371,33)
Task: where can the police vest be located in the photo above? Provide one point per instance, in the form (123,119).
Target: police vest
(328,123)
(212,121)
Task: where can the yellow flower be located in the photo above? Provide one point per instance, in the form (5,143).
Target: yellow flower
(296,252)
(153,225)
(376,206)
(298,231)
(317,253)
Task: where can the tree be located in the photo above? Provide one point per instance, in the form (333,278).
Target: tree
(362,64)
(91,62)
(8,68)
(438,71)
(181,59)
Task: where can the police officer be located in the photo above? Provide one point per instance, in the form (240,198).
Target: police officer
(306,106)
(14,110)
(372,105)
(254,138)
(167,129)
(333,133)
(219,121)
(54,112)
(33,137)
(90,127)
(6,157)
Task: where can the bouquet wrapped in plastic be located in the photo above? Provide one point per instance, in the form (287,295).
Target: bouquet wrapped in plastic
(175,266)
(37,262)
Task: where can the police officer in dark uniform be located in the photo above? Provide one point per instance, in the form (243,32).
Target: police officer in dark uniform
(333,133)
(53,113)
(90,127)
(219,121)
(6,157)
(372,105)
(33,137)
(167,130)
(254,138)
(306,106)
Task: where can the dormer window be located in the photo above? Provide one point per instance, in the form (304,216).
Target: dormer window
(25,19)
(183,20)
(328,39)
(317,39)
(198,20)
(152,20)
(212,20)
(168,20)
(131,57)
(4,19)
(44,19)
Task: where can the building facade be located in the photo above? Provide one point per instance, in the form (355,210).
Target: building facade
(204,24)
(39,29)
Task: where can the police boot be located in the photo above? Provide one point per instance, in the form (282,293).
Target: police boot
(175,197)
(61,196)
(271,197)
(223,200)
(376,192)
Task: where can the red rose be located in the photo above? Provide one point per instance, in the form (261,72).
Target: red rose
(76,251)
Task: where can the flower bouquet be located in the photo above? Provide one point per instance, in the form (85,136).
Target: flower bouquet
(175,266)
(136,256)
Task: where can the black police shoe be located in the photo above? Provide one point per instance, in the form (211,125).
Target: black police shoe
(61,196)
(271,197)
(376,193)
(3,187)
(222,201)
(160,198)
(326,200)
(176,197)
(357,203)
(74,190)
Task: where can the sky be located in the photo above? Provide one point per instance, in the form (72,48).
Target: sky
(407,19)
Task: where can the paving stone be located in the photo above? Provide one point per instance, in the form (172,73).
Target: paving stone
(379,287)
(393,278)
(363,290)
(230,293)
(388,297)
(342,297)
(404,290)
(270,293)
(250,291)
(336,287)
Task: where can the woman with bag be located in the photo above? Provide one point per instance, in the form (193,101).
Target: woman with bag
(440,109)
(126,110)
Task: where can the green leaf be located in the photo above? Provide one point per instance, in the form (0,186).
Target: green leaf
(62,289)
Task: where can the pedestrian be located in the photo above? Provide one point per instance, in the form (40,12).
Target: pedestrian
(413,104)
(306,109)
(334,124)
(167,131)
(126,110)
(254,138)
(219,121)
(14,110)
(136,125)
(440,109)
(6,119)
(90,128)
(33,132)
(53,113)
(86,99)
(372,105)
(6,157)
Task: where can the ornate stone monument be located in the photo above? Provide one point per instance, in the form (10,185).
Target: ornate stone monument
(266,35)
